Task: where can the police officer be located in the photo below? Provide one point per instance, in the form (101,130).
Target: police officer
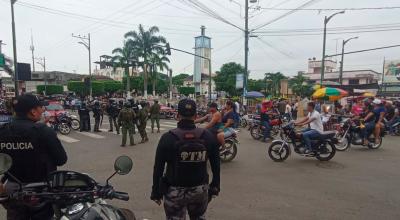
(135,109)
(125,120)
(155,116)
(142,120)
(185,184)
(112,110)
(84,117)
(96,115)
(35,151)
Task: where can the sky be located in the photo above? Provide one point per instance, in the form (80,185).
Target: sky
(53,21)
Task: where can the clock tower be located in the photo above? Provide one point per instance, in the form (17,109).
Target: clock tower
(201,65)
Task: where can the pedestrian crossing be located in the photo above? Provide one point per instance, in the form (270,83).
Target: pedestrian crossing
(164,126)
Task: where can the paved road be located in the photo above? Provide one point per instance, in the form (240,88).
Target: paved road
(357,184)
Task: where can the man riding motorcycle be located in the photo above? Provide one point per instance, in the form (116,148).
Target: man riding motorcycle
(379,111)
(214,122)
(315,129)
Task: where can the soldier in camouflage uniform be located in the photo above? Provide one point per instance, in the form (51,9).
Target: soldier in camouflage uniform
(142,122)
(155,116)
(125,120)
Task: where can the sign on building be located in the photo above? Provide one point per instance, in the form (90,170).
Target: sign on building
(391,71)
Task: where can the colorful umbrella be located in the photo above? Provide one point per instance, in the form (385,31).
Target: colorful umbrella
(331,94)
(368,94)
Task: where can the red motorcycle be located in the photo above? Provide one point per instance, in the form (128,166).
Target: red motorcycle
(257,130)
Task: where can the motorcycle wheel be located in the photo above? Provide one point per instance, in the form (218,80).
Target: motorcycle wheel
(230,151)
(64,128)
(275,132)
(373,145)
(397,130)
(255,132)
(284,137)
(343,143)
(327,152)
(243,122)
(75,124)
(278,151)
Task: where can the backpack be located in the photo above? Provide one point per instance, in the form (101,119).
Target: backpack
(191,152)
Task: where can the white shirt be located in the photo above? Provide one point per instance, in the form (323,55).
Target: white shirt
(288,109)
(237,107)
(316,124)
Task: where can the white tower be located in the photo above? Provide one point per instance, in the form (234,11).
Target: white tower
(201,65)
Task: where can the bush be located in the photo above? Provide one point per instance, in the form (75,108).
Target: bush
(78,87)
(186,90)
(50,89)
(112,86)
(97,88)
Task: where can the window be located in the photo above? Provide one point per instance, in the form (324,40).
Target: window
(354,81)
(35,75)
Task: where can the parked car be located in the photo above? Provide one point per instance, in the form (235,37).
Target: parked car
(54,108)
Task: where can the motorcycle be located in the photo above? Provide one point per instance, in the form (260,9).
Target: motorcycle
(73,195)
(257,130)
(60,123)
(228,152)
(350,134)
(395,127)
(323,148)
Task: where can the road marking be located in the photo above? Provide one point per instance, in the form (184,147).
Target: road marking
(161,129)
(168,126)
(106,130)
(91,135)
(66,139)
(170,122)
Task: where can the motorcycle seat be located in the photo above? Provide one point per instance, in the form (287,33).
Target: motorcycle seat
(328,134)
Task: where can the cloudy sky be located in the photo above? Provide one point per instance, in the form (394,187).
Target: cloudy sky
(283,45)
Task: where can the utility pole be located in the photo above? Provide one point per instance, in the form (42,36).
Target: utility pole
(341,62)
(326,20)
(14,50)
(246,48)
(209,80)
(383,74)
(170,84)
(85,41)
(1,43)
(32,48)
(42,61)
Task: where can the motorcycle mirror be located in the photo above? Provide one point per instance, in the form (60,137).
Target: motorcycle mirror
(5,163)
(123,165)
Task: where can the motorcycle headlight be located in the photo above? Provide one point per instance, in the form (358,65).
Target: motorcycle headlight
(75,208)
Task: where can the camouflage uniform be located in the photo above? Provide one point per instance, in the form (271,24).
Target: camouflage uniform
(155,116)
(142,119)
(125,119)
(178,200)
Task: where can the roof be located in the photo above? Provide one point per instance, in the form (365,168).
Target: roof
(346,74)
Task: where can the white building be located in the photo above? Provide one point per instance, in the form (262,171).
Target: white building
(201,65)
(332,74)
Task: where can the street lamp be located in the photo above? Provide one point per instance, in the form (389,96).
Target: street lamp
(341,62)
(15,49)
(85,41)
(326,20)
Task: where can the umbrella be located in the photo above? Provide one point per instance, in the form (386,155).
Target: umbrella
(331,94)
(254,94)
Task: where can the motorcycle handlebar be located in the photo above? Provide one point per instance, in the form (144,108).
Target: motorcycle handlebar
(121,196)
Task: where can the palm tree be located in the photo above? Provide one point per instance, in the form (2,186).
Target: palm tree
(157,61)
(275,82)
(299,85)
(124,57)
(146,44)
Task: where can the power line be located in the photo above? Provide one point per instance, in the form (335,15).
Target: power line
(310,2)
(331,9)
(366,50)
(275,48)
(316,34)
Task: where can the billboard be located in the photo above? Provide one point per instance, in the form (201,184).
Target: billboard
(239,81)
(391,71)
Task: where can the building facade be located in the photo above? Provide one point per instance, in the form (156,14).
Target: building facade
(189,82)
(332,74)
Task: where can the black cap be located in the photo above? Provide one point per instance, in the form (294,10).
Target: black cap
(187,108)
(27,102)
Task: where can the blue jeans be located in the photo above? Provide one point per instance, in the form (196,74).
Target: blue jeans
(309,134)
(369,127)
(267,129)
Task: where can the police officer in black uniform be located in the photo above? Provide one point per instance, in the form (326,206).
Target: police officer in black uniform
(84,117)
(96,115)
(185,184)
(35,151)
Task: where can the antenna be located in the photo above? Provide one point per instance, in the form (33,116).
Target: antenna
(32,48)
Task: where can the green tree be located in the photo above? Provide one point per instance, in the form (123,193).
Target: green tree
(299,86)
(226,78)
(50,89)
(178,79)
(146,44)
(78,87)
(157,62)
(273,80)
(97,88)
(124,57)
(256,85)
